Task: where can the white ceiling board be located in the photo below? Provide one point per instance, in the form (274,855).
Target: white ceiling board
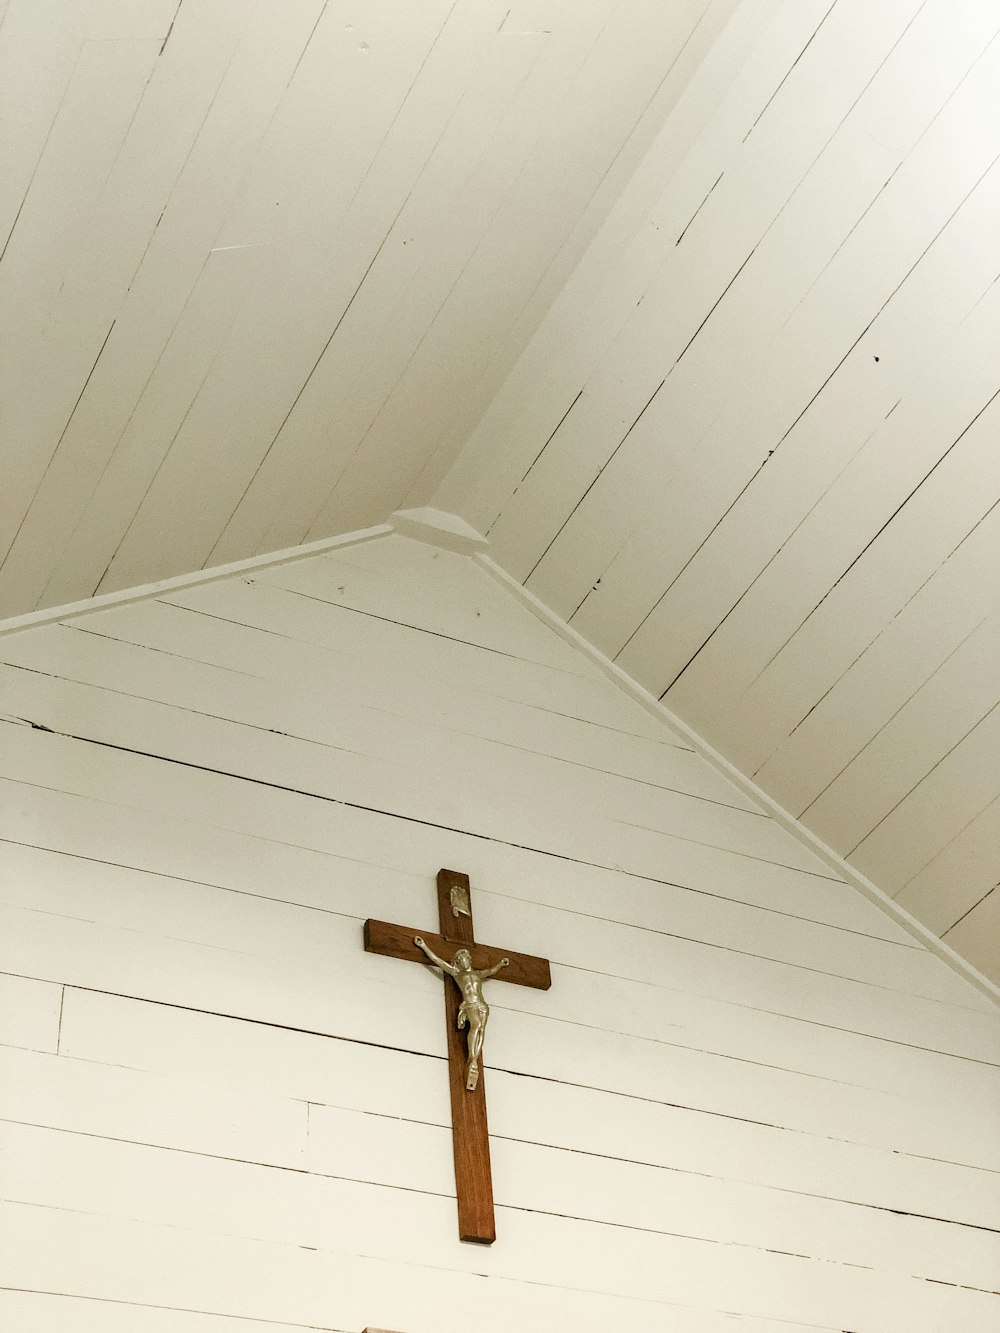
(156,417)
(977,935)
(108,270)
(401,189)
(451,196)
(963,782)
(50,358)
(598,112)
(959,876)
(648,377)
(934,479)
(926,728)
(708,124)
(293,308)
(745,536)
(955,600)
(752,453)
(481,267)
(90,20)
(775,417)
(34,76)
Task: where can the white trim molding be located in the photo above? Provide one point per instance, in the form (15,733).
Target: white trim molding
(69,610)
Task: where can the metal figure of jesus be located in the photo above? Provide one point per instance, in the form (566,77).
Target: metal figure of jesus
(473,1010)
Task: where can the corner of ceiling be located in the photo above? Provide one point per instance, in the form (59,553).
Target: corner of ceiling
(438,527)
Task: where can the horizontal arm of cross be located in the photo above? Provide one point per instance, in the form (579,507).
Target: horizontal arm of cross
(394,941)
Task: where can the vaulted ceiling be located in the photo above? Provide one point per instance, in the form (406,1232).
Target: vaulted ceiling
(693,306)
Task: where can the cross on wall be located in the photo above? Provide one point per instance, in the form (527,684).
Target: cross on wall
(470,1134)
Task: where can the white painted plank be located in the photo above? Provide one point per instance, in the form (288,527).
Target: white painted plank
(318,881)
(97,478)
(341,777)
(928,726)
(104,834)
(292,310)
(692,277)
(34,76)
(138,782)
(587,1120)
(360,635)
(237,1057)
(957,597)
(977,934)
(97,260)
(483,72)
(216,176)
(40,1312)
(932,418)
(722,30)
(486,269)
(740,72)
(400,689)
(766,354)
(313,974)
(580,1185)
(783,528)
(244,1279)
(954,791)
(120,897)
(91,20)
(29,1013)
(396,1152)
(424,749)
(943,436)
(337,1217)
(411,583)
(87,135)
(371,733)
(522,556)
(958,876)
(337,768)
(84,1096)
(374,1080)
(181,303)
(584,133)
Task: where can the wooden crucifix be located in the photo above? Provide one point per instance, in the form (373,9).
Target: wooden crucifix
(462,985)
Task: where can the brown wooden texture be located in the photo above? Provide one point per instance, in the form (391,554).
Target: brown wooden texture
(470,1135)
(469,1128)
(394,941)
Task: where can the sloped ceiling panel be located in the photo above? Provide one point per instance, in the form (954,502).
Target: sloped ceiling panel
(754,456)
(261,262)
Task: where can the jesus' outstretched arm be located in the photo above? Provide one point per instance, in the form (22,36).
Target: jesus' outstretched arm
(438,962)
(492,971)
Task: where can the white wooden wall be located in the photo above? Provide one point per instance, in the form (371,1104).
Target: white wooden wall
(749,1102)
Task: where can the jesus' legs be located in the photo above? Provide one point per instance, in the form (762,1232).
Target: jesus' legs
(477,1025)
